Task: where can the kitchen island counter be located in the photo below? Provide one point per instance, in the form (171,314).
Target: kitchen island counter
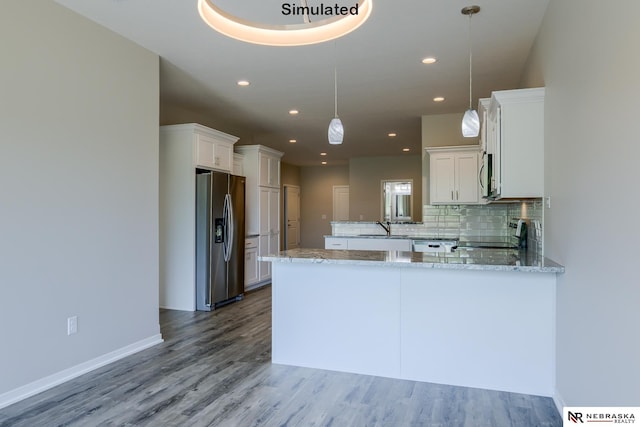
(475,317)
(460,259)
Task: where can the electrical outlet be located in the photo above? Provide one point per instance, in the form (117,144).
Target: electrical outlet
(324,216)
(72,325)
(361,217)
(548,202)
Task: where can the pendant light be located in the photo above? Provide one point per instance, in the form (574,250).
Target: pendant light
(336,130)
(470,120)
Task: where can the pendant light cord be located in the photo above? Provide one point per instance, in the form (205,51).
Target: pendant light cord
(335,80)
(470,68)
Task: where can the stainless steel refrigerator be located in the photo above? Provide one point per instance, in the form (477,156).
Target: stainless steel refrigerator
(220,234)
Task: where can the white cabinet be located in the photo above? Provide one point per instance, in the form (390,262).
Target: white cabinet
(336,243)
(250,262)
(237,168)
(269,170)
(183,148)
(261,166)
(368,243)
(213,150)
(515,139)
(453,175)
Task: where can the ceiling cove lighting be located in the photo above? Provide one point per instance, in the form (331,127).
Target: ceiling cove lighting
(340,24)
(470,120)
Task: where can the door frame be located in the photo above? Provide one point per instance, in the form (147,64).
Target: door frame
(285,213)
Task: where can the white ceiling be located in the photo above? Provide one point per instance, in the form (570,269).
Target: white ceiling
(382,85)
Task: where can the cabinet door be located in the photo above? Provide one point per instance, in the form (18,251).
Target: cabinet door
(466,178)
(251,266)
(274,172)
(263,170)
(222,156)
(274,211)
(274,244)
(263,208)
(264,268)
(442,177)
(204,152)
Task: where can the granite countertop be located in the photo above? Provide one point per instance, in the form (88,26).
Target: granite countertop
(460,259)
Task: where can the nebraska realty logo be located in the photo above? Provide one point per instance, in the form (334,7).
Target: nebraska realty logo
(601,415)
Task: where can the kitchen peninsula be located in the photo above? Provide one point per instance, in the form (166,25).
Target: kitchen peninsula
(474,317)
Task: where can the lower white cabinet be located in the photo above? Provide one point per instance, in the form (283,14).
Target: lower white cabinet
(368,244)
(250,262)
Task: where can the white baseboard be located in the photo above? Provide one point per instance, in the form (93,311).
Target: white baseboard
(50,381)
(559,401)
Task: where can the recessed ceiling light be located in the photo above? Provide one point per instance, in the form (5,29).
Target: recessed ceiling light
(293,112)
(243,83)
(293,141)
(429,60)
(405,149)
(323,154)
(324,163)
(392,134)
(438,99)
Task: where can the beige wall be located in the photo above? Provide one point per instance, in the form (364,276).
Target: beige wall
(78,193)
(586,55)
(440,130)
(365,184)
(317,201)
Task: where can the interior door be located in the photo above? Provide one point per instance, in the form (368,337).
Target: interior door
(292,216)
(341,203)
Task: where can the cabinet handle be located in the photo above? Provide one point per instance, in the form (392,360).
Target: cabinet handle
(457,196)
(452,195)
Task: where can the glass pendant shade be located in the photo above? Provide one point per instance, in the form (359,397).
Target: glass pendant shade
(336,131)
(470,124)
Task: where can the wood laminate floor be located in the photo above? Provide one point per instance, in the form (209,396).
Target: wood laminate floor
(214,369)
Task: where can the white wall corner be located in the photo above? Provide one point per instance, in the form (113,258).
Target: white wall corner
(559,401)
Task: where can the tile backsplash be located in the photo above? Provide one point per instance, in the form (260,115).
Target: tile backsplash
(462,221)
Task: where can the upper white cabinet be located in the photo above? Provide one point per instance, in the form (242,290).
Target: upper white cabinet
(453,175)
(183,148)
(515,139)
(261,166)
(269,169)
(237,168)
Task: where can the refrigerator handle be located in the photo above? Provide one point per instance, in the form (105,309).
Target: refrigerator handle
(228,228)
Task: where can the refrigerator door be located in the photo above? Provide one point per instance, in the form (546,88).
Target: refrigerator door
(218,286)
(235,265)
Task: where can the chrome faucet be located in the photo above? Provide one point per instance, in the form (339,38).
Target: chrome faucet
(387,228)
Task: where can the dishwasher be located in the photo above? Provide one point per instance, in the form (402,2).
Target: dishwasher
(434,245)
